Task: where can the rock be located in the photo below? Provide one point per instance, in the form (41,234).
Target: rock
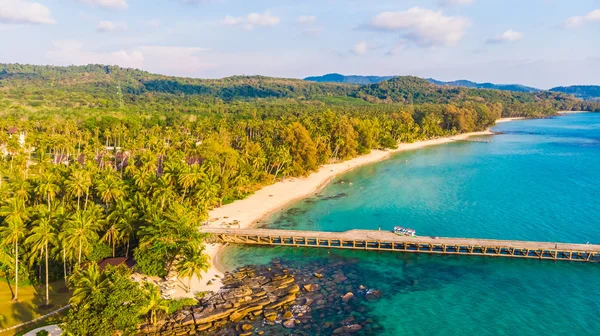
(204,317)
(347,297)
(188,320)
(318,275)
(260,332)
(312,287)
(372,294)
(288,315)
(285,300)
(202,327)
(348,329)
(289,324)
(240,314)
(246,327)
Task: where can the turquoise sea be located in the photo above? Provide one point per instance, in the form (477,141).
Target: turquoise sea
(537,180)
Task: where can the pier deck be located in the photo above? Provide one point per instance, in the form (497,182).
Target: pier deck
(388,241)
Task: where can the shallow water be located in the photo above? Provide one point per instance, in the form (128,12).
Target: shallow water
(536,181)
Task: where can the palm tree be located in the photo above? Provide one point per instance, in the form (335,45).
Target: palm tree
(81,231)
(110,188)
(190,177)
(15,214)
(123,218)
(156,304)
(111,236)
(78,184)
(42,235)
(163,190)
(47,188)
(86,282)
(192,262)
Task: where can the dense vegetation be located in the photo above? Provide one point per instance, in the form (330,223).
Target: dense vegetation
(590,92)
(502,87)
(99,161)
(352,79)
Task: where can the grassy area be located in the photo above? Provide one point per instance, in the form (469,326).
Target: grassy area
(336,100)
(30,299)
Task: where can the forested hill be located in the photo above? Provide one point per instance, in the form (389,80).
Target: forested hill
(492,86)
(352,79)
(102,79)
(364,80)
(105,86)
(589,92)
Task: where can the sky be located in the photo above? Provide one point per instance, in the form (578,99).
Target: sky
(541,43)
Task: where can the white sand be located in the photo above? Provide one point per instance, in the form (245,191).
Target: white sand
(276,196)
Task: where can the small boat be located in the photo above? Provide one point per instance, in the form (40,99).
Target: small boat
(399,230)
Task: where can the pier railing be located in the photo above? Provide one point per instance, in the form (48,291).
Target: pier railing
(388,241)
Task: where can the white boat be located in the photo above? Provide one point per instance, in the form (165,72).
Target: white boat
(399,230)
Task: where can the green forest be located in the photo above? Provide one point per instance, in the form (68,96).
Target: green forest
(100,161)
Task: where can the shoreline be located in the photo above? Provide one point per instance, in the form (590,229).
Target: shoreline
(275,197)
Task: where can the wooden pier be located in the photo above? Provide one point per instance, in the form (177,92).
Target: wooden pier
(388,241)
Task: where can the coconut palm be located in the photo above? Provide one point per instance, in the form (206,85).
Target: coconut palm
(156,305)
(78,184)
(85,283)
(81,231)
(110,188)
(192,262)
(190,177)
(123,217)
(42,235)
(15,215)
(163,190)
(48,188)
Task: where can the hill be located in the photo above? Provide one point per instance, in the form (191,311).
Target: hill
(470,84)
(588,92)
(352,79)
(34,86)
(102,79)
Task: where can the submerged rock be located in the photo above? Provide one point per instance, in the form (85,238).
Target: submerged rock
(348,296)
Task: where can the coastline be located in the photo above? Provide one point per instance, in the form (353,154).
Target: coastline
(279,195)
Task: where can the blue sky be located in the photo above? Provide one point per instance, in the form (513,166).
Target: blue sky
(542,43)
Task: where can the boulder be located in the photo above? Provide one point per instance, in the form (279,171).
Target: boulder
(348,329)
(372,294)
(188,320)
(347,297)
(311,287)
(289,324)
(202,327)
(287,315)
(246,327)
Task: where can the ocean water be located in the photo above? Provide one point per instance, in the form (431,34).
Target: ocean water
(537,180)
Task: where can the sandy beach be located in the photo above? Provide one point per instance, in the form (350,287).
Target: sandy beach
(277,196)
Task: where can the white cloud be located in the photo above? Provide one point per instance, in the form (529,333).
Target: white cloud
(456,2)
(118,4)
(161,59)
(109,26)
(508,36)
(360,48)
(24,12)
(576,21)
(69,52)
(252,20)
(423,26)
(305,19)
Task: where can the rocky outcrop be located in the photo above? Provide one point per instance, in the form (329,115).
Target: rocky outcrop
(273,300)
(246,296)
